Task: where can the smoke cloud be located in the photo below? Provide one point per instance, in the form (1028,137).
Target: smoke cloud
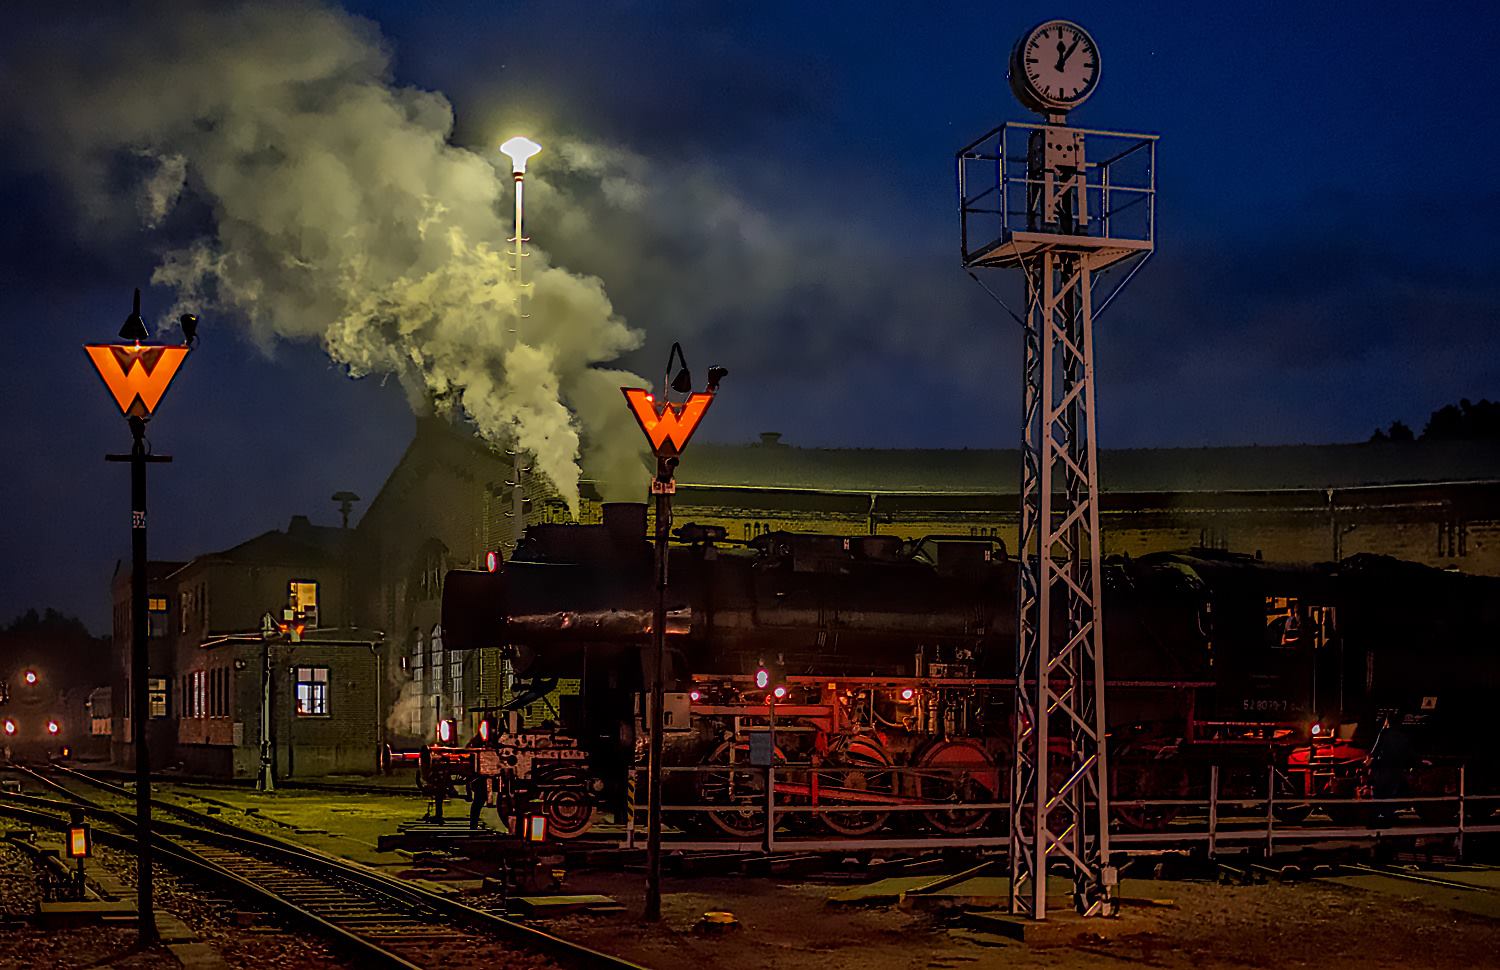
(322,202)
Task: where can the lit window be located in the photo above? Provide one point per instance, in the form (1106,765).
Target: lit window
(312,691)
(156,696)
(302,597)
(157,604)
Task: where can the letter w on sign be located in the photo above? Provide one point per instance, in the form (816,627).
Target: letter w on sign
(668,426)
(136,376)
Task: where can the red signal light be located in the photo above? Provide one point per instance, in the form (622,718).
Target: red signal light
(51,727)
(780,692)
(10,726)
(445,732)
(908,694)
(491,561)
(695,696)
(30,677)
(762,678)
(484,726)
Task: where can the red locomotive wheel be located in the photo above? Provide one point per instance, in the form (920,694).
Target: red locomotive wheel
(959,771)
(729,781)
(1141,774)
(856,765)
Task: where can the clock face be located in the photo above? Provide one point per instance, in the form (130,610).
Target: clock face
(1055,66)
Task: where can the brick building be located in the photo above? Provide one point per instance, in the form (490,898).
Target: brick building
(160,732)
(208,654)
(451,500)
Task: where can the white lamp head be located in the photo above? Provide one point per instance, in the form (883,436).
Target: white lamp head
(518,150)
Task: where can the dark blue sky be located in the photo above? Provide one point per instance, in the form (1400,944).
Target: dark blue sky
(1323,259)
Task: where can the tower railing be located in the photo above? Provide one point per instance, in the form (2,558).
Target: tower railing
(998,186)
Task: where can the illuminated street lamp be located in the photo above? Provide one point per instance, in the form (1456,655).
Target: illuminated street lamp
(668,427)
(520,150)
(137,375)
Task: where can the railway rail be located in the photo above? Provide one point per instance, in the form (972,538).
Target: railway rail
(381,920)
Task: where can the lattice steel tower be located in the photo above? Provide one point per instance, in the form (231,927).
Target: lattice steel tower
(1031,199)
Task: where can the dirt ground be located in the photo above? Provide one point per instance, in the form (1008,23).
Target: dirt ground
(789,924)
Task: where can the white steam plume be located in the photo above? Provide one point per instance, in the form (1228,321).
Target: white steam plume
(340,213)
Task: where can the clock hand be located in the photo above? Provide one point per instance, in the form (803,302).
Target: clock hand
(1063,55)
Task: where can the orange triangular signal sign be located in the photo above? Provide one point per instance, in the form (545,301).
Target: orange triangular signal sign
(136,375)
(668,426)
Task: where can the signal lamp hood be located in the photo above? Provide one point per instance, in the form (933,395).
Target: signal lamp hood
(135,327)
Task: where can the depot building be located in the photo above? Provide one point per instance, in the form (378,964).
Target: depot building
(370,669)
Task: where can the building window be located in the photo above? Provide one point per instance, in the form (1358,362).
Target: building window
(156,616)
(302,597)
(156,696)
(312,691)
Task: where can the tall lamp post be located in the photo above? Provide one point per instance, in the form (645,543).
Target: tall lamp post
(668,427)
(137,375)
(519,150)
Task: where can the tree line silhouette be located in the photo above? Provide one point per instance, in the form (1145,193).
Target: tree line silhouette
(1465,421)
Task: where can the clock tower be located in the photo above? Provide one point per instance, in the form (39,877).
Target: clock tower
(1031,199)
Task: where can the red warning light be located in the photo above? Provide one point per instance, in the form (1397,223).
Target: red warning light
(51,727)
(492,561)
(908,694)
(484,726)
(10,726)
(30,677)
(762,678)
(695,696)
(445,731)
(780,692)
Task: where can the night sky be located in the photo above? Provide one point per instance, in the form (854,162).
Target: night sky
(1324,262)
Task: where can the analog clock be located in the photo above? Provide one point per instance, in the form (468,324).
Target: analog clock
(1054,67)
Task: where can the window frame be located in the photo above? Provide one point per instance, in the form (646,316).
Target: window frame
(319,690)
(293,602)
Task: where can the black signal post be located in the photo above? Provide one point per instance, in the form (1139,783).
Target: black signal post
(668,427)
(137,375)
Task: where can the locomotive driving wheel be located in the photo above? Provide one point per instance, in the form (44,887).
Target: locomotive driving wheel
(960,771)
(734,791)
(856,765)
(1138,774)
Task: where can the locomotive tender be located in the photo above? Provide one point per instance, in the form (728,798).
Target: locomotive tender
(883,669)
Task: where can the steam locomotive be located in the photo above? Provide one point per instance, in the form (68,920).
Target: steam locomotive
(881,670)
(35,722)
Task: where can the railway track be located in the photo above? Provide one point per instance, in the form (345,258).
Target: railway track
(380,920)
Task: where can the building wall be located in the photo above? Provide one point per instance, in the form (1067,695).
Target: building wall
(224,740)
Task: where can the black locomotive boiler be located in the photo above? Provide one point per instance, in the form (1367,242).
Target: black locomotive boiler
(885,667)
